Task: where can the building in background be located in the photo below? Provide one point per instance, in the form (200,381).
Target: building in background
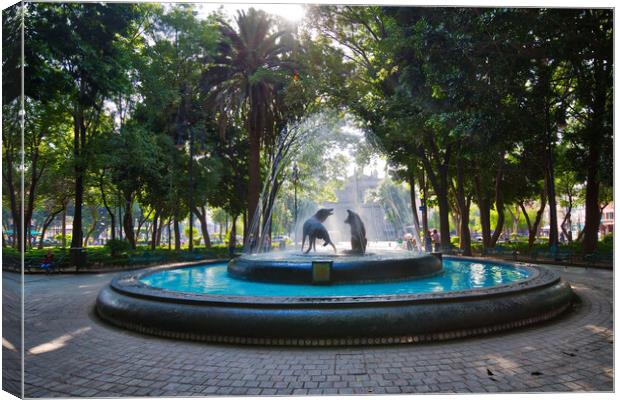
(353,197)
(607,220)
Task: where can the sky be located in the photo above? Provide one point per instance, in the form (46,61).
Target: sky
(292,12)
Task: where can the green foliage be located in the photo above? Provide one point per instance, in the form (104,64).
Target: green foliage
(99,256)
(128,98)
(117,247)
(396,202)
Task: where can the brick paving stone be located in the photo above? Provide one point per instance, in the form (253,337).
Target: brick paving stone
(101,360)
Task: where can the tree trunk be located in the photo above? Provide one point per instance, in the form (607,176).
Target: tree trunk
(267,213)
(141,223)
(94,214)
(499,203)
(128,221)
(120,217)
(64,228)
(254,184)
(414,206)
(245,224)
(169,234)
(108,209)
(160,228)
(201,213)
(48,221)
(567,233)
(567,219)
(484,206)
(593,213)
(79,144)
(177,233)
(444,219)
(440,184)
(550,184)
(465,239)
(154,231)
(515,220)
(463,205)
(226,224)
(232,239)
(533,228)
(423,204)
(485,221)
(593,178)
(15,205)
(444,208)
(30,199)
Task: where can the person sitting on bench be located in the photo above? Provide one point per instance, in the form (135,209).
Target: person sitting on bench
(48,261)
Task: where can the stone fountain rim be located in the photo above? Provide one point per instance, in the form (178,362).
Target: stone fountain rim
(130,284)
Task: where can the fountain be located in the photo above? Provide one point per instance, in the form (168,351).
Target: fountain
(321,299)
(356,293)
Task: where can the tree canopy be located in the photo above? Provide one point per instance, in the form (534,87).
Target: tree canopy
(138,116)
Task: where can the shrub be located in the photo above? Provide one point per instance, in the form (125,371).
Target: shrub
(117,246)
(455,240)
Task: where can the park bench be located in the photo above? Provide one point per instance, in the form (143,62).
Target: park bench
(34,264)
(56,264)
(600,258)
(554,254)
(144,258)
(11,263)
(502,251)
(452,249)
(194,256)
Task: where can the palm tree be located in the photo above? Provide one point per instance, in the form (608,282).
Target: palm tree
(242,81)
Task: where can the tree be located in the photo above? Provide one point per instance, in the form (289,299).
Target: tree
(137,159)
(241,79)
(83,41)
(180,46)
(590,132)
(45,124)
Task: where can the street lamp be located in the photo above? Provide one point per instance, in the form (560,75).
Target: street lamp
(295,176)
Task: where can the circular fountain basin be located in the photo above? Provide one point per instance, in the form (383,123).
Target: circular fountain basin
(296,267)
(469,297)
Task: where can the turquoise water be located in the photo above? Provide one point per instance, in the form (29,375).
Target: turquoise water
(456,275)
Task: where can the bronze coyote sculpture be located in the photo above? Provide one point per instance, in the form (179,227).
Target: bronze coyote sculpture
(314,229)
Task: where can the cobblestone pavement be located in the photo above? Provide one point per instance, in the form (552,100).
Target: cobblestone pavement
(69,352)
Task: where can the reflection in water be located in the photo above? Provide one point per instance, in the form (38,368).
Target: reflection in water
(214,279)
(477,273)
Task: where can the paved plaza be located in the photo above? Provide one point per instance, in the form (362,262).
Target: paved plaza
(69,352)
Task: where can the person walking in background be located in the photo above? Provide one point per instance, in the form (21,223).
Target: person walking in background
(408,238)
(436,240)
(428,246)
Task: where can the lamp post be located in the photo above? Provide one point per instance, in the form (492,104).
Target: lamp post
(295,177)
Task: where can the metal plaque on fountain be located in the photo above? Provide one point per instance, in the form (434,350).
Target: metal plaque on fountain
(321,272)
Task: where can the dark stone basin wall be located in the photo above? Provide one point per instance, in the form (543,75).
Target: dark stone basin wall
(335,320)
(344,270)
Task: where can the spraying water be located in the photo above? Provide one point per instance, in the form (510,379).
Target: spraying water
(333,159)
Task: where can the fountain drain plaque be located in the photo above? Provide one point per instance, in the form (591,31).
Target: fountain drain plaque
(321,272)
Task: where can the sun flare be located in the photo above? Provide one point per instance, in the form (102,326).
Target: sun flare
(290,12)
